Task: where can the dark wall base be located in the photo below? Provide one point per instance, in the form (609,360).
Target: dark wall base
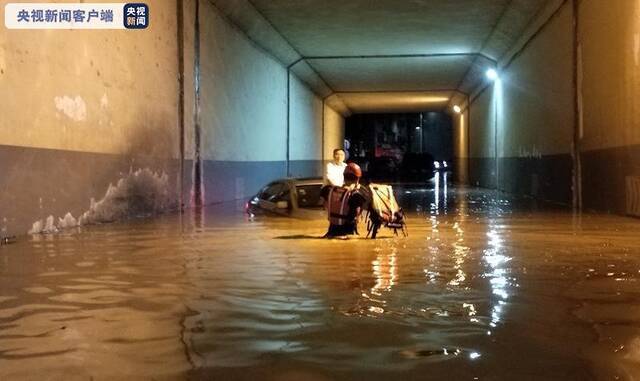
(482,172)
(546,178)
(604,174)
(306,168)
(461,170)
(36,183)
(603,177)
(235,180)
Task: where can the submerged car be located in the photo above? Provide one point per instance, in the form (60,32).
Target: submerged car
(289,196)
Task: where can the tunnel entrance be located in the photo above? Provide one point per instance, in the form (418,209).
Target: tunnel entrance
(400,147)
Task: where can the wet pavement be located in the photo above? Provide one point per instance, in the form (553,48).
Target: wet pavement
(483,288)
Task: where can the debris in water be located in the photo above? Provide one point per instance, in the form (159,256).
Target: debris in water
(140,193)
(67,222)
(46,227)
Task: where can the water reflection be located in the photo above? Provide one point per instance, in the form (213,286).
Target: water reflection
(384,271)
(435,206)
(445,192)
(460,253)
(497,273)
(433,198)
(218,298)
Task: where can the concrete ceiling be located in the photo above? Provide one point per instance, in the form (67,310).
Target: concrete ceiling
(365,27)
(394,102)
(389,74)
(386,47)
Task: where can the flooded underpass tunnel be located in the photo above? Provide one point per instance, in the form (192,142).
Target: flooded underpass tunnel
(169,169)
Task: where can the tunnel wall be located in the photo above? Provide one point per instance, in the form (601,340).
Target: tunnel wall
(533,104)
(610,139)
(481,140)
(244,115)
(82,109)
(333,132)
(535,99)
(461,146)
(306,131)
(243,111)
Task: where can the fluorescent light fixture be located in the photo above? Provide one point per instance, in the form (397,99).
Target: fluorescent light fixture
(457,109)
(492,74)
(427,99)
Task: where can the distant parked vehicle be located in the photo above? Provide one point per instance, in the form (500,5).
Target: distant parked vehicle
(417,167)
(384,168)
(287,196)
(441,166)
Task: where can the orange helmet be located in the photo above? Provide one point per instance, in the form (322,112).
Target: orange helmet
(353,169)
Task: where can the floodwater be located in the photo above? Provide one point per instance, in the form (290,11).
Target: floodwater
(483,288)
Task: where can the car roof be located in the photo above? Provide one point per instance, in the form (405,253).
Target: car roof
(302,180)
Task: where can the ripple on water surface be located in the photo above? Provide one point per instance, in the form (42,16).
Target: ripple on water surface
(480,288)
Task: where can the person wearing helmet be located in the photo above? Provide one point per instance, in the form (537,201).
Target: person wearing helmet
(345,203)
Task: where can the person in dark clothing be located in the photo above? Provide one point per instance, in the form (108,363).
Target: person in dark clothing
(344,204)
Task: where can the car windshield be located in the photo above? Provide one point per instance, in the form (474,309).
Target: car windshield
(309,196)
(273,192)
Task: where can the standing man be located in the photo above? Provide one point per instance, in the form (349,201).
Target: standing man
(334,173)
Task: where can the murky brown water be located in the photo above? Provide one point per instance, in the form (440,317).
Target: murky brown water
(481,289)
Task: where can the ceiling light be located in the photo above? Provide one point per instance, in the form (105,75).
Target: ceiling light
(457,109)
(492,74)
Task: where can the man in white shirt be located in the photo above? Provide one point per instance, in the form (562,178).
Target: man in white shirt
(334,173)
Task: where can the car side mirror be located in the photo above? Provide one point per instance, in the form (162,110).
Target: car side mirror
(282,205)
